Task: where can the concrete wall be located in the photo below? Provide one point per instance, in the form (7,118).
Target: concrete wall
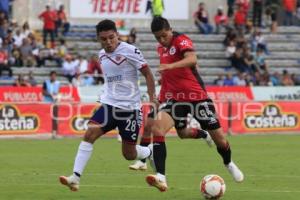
(28,10)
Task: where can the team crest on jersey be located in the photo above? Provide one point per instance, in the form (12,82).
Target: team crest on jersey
(172,50)
(118,58)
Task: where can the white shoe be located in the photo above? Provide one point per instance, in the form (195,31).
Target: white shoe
(154,181)
(236,173)
(71,181)
(209,140)
(138,165)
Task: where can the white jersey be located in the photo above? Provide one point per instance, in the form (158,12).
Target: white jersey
(120,71)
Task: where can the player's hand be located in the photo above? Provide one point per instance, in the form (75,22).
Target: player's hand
(163,67)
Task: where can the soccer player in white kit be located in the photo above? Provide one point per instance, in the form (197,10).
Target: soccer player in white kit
(120,103)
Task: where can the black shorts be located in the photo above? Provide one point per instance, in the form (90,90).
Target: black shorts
(127,121)
(203,111)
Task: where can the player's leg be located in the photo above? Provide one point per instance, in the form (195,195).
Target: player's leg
(206,116)
(192,130)
(145,141)
(162,124)
(224,150)
(94,131)
(129,123)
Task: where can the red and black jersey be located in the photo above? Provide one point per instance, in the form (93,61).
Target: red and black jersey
(181,84)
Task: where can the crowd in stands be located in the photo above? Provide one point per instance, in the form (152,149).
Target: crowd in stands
(264,14)
(246,47)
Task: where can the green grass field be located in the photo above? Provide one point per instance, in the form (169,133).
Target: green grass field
(29,170)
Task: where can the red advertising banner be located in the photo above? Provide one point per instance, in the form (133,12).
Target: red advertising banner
(232,93)
(73,118)
(34,94)
(265,117)
(19,119)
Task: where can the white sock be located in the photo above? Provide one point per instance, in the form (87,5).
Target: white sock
(142,152)
(161,177)
(84,153)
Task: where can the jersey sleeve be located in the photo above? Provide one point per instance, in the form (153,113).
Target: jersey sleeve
(136,58)
(184,44)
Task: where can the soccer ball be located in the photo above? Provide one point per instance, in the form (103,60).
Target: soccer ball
(212,187)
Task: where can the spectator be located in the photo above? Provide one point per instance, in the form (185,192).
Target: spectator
(265,79)
(4,26)
(49,18)
(257,13)
(286,79)
(220,80)
(275,79)
(4,7)
(239,79)
(230,4)
(94,69)
(26,29)
(249,61)
(61,21)
(157,8)
(289,10)
(230,50)
(228,81)
(69,67)
(240,19)
(13,26)
(271,12)
(245,5)
(201,19)
(51,88)
(249,80)
(26,54)
(21,82)
(238,61)
(84,79)
(18,38)
(221,20)
(30,79)
(296,79)
(4,63)
(16,59)
(82,65)
(258,42)
(260,61)
(231,36)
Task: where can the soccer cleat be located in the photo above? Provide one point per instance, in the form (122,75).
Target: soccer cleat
(71,181)
(153,180)
(236,173)
(138,165)
(208,139)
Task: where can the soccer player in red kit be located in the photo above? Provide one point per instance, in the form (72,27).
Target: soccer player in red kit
(184,93)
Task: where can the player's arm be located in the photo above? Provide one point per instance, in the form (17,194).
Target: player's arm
(189,60)
(150,83)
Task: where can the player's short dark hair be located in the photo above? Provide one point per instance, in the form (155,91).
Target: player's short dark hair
(106,25)
(159,23)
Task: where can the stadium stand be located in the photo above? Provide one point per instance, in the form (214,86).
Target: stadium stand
(284,47)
